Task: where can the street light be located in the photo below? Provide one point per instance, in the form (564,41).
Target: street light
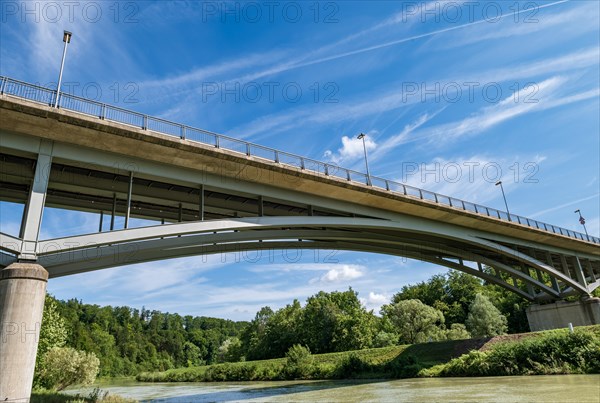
(582,221)
(66,39)
(504,195)
(362,137)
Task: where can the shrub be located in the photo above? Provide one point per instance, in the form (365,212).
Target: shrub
(457,331)
(557,352)
(298,362)
(403,367)
(64,366)
(350,366)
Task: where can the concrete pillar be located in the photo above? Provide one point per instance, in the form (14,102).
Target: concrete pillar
(22,296)
(560,314)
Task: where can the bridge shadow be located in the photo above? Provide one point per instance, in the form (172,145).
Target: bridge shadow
(237,391)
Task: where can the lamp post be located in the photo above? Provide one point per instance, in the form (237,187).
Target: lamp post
(504,196)
(582,221)
(362,137)
(66,39)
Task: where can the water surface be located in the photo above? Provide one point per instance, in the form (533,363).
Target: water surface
(557,388)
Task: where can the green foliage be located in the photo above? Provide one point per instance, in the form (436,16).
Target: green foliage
(450,293)
(414,321)
(53,333)
(457,331)
(96,396)
(298,362)
(128,340)
(485,319)
(555,352)
(336,321)
(64,366)
(351,366)
(405,366)
(329,322)
(230,350)
(543,353)
(385,339)
(453,292)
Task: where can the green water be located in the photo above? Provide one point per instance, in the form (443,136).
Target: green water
(558,388)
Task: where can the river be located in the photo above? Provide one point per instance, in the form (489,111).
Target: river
(557,388)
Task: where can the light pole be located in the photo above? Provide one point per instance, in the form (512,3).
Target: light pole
(582,221)
(504,196)
(66,39)
(362,137)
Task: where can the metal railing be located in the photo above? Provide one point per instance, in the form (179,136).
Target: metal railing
(107,112)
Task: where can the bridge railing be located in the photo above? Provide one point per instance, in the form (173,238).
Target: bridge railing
(107,112)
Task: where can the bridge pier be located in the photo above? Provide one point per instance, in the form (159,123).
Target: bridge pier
(22,296)
(560,314)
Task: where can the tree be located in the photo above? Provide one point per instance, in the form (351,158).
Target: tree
(192,354)
(53,333)
(450,293)
(414,321)
(283,330)
(336,321)
(66,366)
(485,319)
(457,331)
(230,350)
(385,339)
(253,336)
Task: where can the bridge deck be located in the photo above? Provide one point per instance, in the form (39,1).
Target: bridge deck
(71,128)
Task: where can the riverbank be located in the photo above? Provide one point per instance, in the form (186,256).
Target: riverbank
(95,396)
(548,352)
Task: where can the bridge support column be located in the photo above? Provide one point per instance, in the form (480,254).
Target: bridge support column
(22,295)
(560,314)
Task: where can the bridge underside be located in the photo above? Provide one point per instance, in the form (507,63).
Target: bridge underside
(208,219)
(534,274)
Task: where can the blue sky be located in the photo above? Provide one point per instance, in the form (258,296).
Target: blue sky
(452,96)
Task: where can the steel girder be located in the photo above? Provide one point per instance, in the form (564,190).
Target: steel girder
(513,266)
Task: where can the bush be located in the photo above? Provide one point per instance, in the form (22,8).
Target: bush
(298,362)
(385,339)
(557,352)
(407,366)
(457,331)
(64,366)
(351,365)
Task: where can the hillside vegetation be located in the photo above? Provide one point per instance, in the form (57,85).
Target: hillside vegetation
(549,352)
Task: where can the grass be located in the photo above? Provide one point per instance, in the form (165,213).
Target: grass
(474,357)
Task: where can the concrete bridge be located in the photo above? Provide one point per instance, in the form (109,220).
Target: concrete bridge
(209,194)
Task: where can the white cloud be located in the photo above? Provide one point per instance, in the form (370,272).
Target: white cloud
(546,95)
(352,149)
(344,272)
(562,206)
(530,21)
(374,301)
(467,178)
(395,98)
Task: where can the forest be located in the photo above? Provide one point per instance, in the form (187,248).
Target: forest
(129,340)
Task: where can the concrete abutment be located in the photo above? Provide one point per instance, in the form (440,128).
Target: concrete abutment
(560,314)
(22,296)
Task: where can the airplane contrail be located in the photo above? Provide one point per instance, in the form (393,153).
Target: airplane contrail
(412,38)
